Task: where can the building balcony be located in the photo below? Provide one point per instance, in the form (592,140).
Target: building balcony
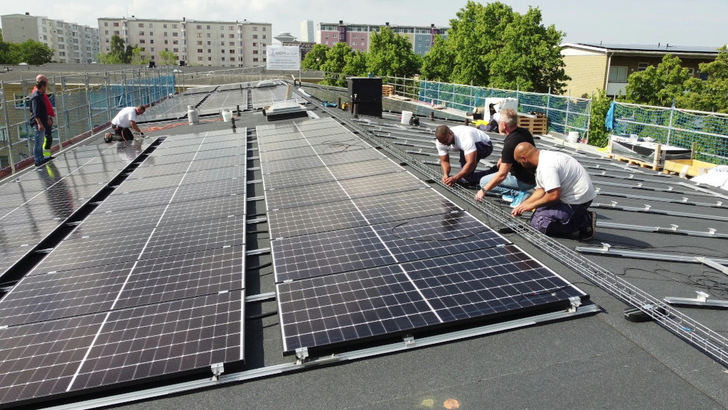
(614,88)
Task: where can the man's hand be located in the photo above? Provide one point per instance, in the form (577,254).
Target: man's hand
(41,127)
(449,180)
(520,209)
(480,195)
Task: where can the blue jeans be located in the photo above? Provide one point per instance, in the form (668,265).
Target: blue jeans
(510,186)
(40,138)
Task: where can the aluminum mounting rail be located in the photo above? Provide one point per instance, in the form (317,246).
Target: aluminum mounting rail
(606,249)
(648,209)
(672,229)
(685,200)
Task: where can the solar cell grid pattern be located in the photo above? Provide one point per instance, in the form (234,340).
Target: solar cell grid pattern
(143,289)
(384,254)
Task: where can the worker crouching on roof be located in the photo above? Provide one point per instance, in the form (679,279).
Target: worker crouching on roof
(472,145)
(563,193)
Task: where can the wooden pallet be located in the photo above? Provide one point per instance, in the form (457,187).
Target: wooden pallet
(537,126)
(632,161)
(387,90)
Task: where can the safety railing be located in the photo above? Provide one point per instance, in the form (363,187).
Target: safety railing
(82,103)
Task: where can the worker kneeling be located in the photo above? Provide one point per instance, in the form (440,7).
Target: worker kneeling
(563,193)
(472,144)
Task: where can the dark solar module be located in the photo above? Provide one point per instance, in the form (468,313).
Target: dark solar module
(487,282)
(358,305)
(437,235)
(325,146)
(164,339)
(350,306)
(149,169)
(364,168)
(33,360)
(305,176)
(218,189)
(351,156)
(298,196)
(226,162)
(161,159)
(285,154)
(109,222)
(378,185)
(183,238)
(92,251)
(215,174)
(132,200)
(290,164)
(230,207)
(268,147)
(322,217)
(239,142)
(150,183)
(404,205)
(221,152)
(183,276)
(43,297)
(328,252)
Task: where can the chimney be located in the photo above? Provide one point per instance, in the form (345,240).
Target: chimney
(27,14)
(386,23)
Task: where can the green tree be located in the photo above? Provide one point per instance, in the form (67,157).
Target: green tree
(168,57)
(391,55)
(437,63)
(662,85)
(136,56)
(335,63)
(119,51)
(356,63)
(108,58)
(494,46)
(34,52)
(598,134)
(6,56)
(315,58)
(713,96)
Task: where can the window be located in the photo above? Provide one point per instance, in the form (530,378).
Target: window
(151,33)
(199,43)
(199,27)
(255,28)
(264,36)
(232,51)
(116,24)
(199,58)
(142,41)
(106,24)
(166,41)
(231,28)
(255,44)
(255,36)
(691,71)
(176,50)
(174,34)
(174,26)
(165,34)
(175,42)
(199,50)
(255,51)
(618,74)
(232,43)
(199,35)
(222,58)
(642,66)
(141,33)
(353,43)
(255,60)
(105,32)
(232,35)
(209,50)
(263,28)
(141,25)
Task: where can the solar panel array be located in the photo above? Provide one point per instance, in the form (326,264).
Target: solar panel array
(150,284)
(172,108)
(363,249)
(220,100)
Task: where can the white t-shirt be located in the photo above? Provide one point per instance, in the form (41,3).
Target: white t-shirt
(560,170)
(124,118)
(465,139)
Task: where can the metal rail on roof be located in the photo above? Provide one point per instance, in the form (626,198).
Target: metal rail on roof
(687,328)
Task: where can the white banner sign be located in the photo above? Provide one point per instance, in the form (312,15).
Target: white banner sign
(283,58)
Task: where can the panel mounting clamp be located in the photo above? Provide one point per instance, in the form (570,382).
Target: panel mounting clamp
(217,369)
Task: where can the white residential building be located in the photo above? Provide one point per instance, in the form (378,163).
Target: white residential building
(307,33)
(200,43)
(71,42)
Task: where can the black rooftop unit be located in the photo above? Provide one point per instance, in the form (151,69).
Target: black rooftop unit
(365,94)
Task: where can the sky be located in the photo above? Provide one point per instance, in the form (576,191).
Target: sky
(685,22)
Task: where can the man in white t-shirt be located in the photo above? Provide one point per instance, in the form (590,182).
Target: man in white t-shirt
(472,145)
(122,124)
(563,193)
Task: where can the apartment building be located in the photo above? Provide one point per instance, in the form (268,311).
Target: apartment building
(307,32)
(71,42)
(200,43)
(357,36)
(607,66)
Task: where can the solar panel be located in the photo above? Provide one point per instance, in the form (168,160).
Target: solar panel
(321,217)
(303,195)
(396,299)
(378,185)
(404,205)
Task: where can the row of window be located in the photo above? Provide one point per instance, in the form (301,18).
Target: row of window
(619,74)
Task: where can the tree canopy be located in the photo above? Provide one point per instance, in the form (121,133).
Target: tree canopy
(336,59)
(662,85)
(168,57)
(391,55)
(30,51)
(494,46)
(315,58)
(119,53)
